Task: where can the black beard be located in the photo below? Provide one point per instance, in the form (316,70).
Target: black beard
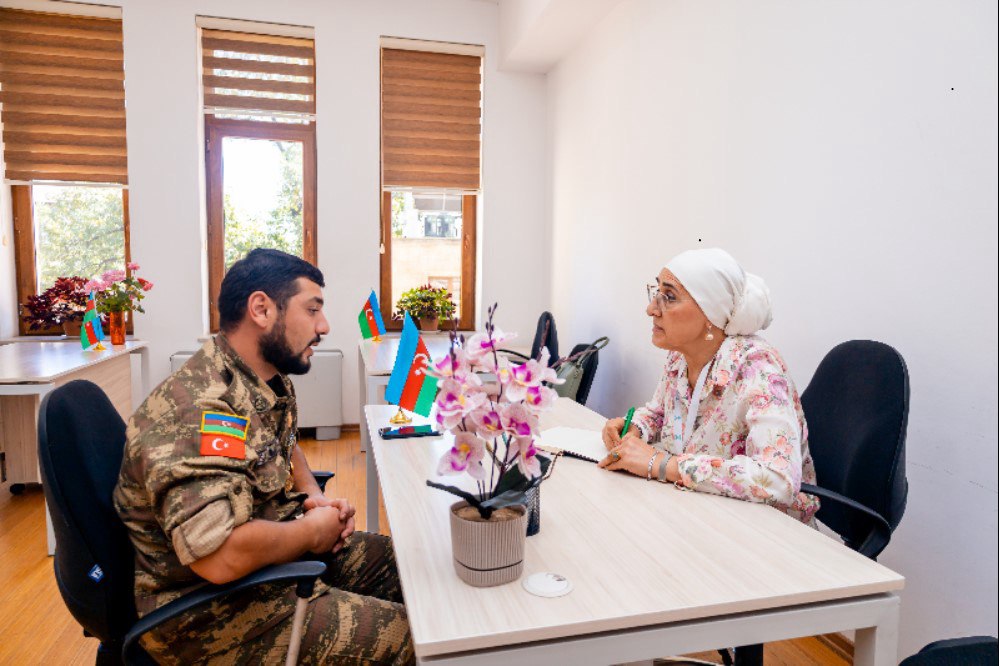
(275,349)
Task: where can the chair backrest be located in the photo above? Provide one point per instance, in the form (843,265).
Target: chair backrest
(545,336)
(81,440)
(969,651)
(589,370)
(857,410)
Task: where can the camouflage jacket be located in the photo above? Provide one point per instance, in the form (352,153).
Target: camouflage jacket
(207,451)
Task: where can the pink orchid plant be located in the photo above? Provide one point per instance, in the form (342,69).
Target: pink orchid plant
(494,434)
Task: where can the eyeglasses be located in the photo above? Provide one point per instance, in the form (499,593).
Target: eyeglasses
(656,296)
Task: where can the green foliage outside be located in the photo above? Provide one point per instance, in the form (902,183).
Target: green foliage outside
(78,231)
(281,228)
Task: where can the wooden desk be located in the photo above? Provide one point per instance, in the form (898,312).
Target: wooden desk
(29,370)
(656,571)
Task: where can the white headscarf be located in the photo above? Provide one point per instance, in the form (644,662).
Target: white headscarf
(735,301)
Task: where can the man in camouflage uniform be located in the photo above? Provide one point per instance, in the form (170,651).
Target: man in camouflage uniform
(213,486)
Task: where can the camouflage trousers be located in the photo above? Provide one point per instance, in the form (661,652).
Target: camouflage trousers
(355,616)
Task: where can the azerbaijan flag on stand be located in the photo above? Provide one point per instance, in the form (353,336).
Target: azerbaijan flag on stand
(370,318)
(409,386)
(91,333)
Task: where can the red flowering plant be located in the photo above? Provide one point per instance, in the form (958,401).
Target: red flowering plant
(117,291)
(64,301)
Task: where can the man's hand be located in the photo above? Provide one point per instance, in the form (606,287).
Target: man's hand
(612,432)
(325,526)
(346,510)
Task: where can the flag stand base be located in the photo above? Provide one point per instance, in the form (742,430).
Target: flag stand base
(400,418)
(377,338)
(98,347)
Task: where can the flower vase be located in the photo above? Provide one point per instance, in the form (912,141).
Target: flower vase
(429,324)
(72,328)
(116,322)
(488,552)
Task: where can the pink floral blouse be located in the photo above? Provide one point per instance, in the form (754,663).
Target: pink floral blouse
(750,440)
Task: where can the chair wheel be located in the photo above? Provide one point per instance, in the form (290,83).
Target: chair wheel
(16,488)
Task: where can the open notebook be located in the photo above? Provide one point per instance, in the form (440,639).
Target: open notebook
(575,442)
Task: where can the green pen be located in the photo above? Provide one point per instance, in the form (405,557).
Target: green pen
(627,421)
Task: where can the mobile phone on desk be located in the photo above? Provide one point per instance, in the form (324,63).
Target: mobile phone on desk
(406,432)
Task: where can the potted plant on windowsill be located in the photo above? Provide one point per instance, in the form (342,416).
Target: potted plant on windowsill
(62,304)
(494,443)
(117,293)
(429,305)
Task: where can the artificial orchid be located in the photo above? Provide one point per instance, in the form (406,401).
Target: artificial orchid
(494,433)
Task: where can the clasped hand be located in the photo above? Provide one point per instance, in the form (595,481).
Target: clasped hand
(333,519)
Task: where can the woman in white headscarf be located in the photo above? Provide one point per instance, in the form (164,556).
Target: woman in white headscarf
(725,417)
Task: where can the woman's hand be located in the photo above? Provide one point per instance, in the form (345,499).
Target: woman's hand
(632,454)
(612,432)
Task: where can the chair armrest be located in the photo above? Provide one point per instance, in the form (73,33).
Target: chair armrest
(302,573)
(322,478)
(880,523)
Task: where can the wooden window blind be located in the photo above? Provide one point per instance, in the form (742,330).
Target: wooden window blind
(431,120)
(259,77)
(62,98)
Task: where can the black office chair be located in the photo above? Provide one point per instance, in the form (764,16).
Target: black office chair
(970,651)
(81,441)
(857,410)
(545,335)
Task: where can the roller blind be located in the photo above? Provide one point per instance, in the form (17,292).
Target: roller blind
(431,119)
(62,97)
(262,77)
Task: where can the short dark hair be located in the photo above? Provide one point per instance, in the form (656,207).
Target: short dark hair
(270,271)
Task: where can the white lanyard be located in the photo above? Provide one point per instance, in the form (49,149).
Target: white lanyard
(683,436)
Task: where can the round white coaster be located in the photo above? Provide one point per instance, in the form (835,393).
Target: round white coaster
(547,584)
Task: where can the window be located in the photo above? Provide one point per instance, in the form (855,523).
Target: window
(430,132)
(260,148)
(62,105)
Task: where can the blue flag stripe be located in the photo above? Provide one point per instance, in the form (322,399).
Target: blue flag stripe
(377,311)
(403,361)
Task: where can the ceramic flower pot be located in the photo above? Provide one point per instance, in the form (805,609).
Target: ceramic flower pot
(429,324)
(489,552)
(116,322)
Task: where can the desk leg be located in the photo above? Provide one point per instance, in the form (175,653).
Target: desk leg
(362,398)
(878,645)
(371,486)
(49,532)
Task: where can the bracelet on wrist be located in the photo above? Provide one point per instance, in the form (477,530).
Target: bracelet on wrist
(661,476)
(652,460)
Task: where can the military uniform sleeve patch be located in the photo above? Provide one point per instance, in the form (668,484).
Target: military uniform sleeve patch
(223,445)
(220,423)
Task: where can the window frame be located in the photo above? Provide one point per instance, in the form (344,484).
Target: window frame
(217,129)
(26,274)
(469,207)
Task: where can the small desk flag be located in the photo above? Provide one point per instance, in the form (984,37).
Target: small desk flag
(370,318)
(409,386)
(91,333)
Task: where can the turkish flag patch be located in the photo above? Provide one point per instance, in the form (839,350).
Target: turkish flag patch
(222,445)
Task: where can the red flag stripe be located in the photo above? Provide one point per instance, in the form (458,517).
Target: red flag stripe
(414,382)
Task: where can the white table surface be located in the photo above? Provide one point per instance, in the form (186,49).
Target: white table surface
(649,563)
(42,362)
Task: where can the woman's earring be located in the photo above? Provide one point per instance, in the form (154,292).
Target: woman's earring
(710,336)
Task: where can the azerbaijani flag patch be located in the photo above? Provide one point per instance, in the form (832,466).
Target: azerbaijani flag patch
(220,423)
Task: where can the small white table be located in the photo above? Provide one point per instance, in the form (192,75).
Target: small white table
(29,370)
(656,571)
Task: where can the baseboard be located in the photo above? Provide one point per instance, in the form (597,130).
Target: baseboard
(838,643)
(350,427)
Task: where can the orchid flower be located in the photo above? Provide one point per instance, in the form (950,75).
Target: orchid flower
(527,456)
(530,375)
(540,398)
(455,401)
(488,422)
(464,456)
(457,368)
(519,421)
(482,345)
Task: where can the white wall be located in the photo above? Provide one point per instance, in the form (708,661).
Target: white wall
(846,152)
(165,155)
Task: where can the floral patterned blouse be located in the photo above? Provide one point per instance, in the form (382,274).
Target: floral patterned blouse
(750,440)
